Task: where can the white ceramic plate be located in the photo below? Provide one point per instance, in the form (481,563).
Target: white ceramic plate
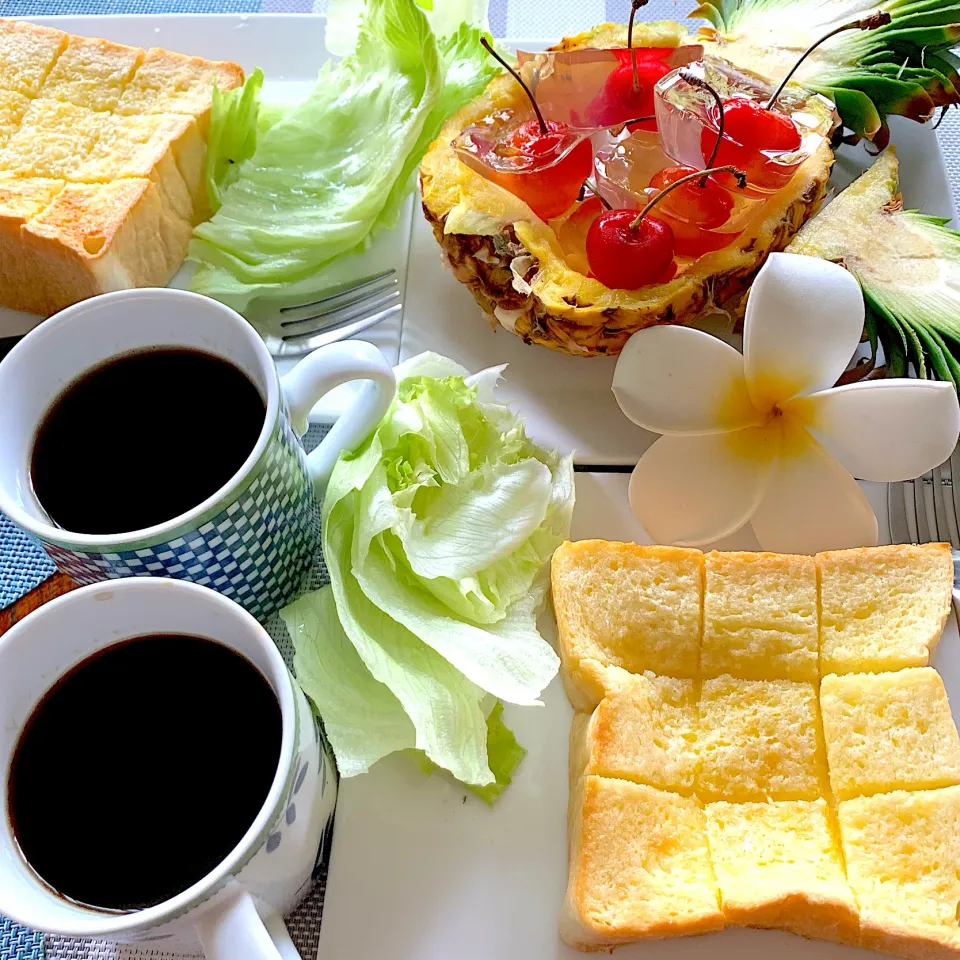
(422,871)
(289,50)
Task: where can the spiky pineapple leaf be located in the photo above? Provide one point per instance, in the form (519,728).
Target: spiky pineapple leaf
(902,68)
(907,264)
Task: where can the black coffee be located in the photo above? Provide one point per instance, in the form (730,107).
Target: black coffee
(144,438)
(142,769)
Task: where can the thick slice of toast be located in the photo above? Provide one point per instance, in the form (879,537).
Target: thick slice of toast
(760,616)
(639,866)
(882,608)
(889,731)
(793,787)
(619,604)
(122,130)
(643,730)
(778,865)
(903,862)
(759,740)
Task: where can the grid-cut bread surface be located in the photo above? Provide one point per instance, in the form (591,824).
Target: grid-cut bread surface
(102,151)
(759,741)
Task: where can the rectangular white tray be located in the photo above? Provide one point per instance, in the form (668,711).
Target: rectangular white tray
(421,870)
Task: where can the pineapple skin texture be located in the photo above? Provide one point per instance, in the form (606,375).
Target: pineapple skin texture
(511,263)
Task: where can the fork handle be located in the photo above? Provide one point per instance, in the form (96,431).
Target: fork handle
(316,375)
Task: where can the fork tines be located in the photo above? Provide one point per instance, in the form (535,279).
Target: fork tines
(342,313)
(927,509)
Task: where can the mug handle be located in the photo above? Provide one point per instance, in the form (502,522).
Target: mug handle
(316,375)
(235,931)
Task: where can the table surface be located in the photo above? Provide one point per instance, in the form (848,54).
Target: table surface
(55,586)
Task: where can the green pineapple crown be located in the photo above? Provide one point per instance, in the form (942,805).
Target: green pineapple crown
(903,68)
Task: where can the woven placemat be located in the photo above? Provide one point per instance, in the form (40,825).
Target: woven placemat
(23,564)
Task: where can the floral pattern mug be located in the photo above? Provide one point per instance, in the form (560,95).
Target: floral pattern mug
(234,913)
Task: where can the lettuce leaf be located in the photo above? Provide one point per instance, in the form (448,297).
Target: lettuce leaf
(364,721)
(344,19)
(504,755)
(336,168)
(503,751)
(233,135)
(436,533)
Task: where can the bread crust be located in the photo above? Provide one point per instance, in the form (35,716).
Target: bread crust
(102,150)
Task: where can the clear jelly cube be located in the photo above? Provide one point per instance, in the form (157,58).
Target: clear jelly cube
(687,120)
(570,85)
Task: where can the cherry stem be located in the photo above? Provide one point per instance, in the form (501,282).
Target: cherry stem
(591,186)
(635,5)
(625,123)
(516,76)
(696,175)
(879,19)
(696,81)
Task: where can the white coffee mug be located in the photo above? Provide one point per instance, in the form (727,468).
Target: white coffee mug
(233,913)
(256,538)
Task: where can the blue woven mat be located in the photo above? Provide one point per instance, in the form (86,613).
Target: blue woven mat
(22,564)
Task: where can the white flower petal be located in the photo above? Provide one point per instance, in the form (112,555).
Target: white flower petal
(803,323)
(812,503)
(675,380)
(885,430)
(694,490)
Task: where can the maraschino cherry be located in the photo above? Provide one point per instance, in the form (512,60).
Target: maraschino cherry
(627,250)
(628,90)
(696,208)
(755,130)
(549,160)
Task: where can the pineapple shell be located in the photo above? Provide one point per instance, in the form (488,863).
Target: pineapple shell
(511,261)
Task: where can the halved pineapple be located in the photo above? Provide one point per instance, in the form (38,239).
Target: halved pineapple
(513,265)
(907,264)
(511,260)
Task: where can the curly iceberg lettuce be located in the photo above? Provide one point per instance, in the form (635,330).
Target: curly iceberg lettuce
(436,533)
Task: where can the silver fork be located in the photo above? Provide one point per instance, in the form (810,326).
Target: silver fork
(928,509)
(343,312)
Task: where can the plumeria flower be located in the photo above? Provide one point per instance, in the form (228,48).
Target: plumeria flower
(765,437)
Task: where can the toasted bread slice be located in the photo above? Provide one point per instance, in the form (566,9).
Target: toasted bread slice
(902,852)
(96,237)
(778,865)
(889,731)
(639,866)
(644,730)
(92,73)
(27,55)
(760,616)
(169,82)
(882,608)
(623,605)
(759,740)
(123,131)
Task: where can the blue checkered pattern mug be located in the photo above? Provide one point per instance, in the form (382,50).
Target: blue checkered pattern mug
(256,539)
